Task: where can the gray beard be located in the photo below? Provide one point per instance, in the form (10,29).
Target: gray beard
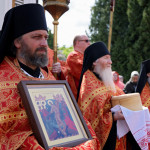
(34,59)
(106,76)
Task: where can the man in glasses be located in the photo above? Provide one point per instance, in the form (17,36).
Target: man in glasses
(75,61)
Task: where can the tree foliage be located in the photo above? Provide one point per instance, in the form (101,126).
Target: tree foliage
(131,50)
(120,25)
(64,51)
(50,39)
(142,44)
(99,21)
(130,35)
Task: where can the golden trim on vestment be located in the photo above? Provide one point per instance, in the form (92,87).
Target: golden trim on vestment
(23,138)
(12,116)
(15,65)
(93,94)
(6,84)
(96,121)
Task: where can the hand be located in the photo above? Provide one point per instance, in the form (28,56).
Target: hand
(118,116)
(56,68)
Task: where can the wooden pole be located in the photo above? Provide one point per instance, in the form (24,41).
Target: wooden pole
(56,8)
(55,22)
(112,5)
(13,3)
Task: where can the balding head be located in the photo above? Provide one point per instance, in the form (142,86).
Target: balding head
(80,43)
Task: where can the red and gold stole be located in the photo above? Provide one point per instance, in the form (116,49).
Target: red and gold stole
(94,102)
(145,96)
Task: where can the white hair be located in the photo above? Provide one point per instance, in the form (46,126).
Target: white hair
(106,75)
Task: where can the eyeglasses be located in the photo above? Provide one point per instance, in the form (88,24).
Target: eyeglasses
(85,40)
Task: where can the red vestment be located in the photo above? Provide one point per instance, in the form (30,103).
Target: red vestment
(145,96)
(75,63)
(94,102)
(15,130)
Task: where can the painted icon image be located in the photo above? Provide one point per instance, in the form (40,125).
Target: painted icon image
(56,117)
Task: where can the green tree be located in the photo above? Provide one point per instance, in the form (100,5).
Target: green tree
(132,51)
(99,21)
(142,45)
(120,27)
(65,51)
(50,39)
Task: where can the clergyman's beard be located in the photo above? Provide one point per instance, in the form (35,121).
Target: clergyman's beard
(39,60)
(106,76)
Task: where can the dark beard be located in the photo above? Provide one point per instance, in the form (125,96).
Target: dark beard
(38,60)
(134,83)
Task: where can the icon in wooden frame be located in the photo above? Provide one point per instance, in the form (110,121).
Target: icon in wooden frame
(53,112)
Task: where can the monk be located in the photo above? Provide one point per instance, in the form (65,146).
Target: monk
(96,88)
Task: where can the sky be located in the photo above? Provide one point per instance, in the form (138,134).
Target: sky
(73,22)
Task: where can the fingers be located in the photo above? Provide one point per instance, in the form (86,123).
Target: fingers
(56,68)
(118,115)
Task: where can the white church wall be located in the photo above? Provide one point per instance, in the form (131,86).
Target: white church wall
(5,5)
